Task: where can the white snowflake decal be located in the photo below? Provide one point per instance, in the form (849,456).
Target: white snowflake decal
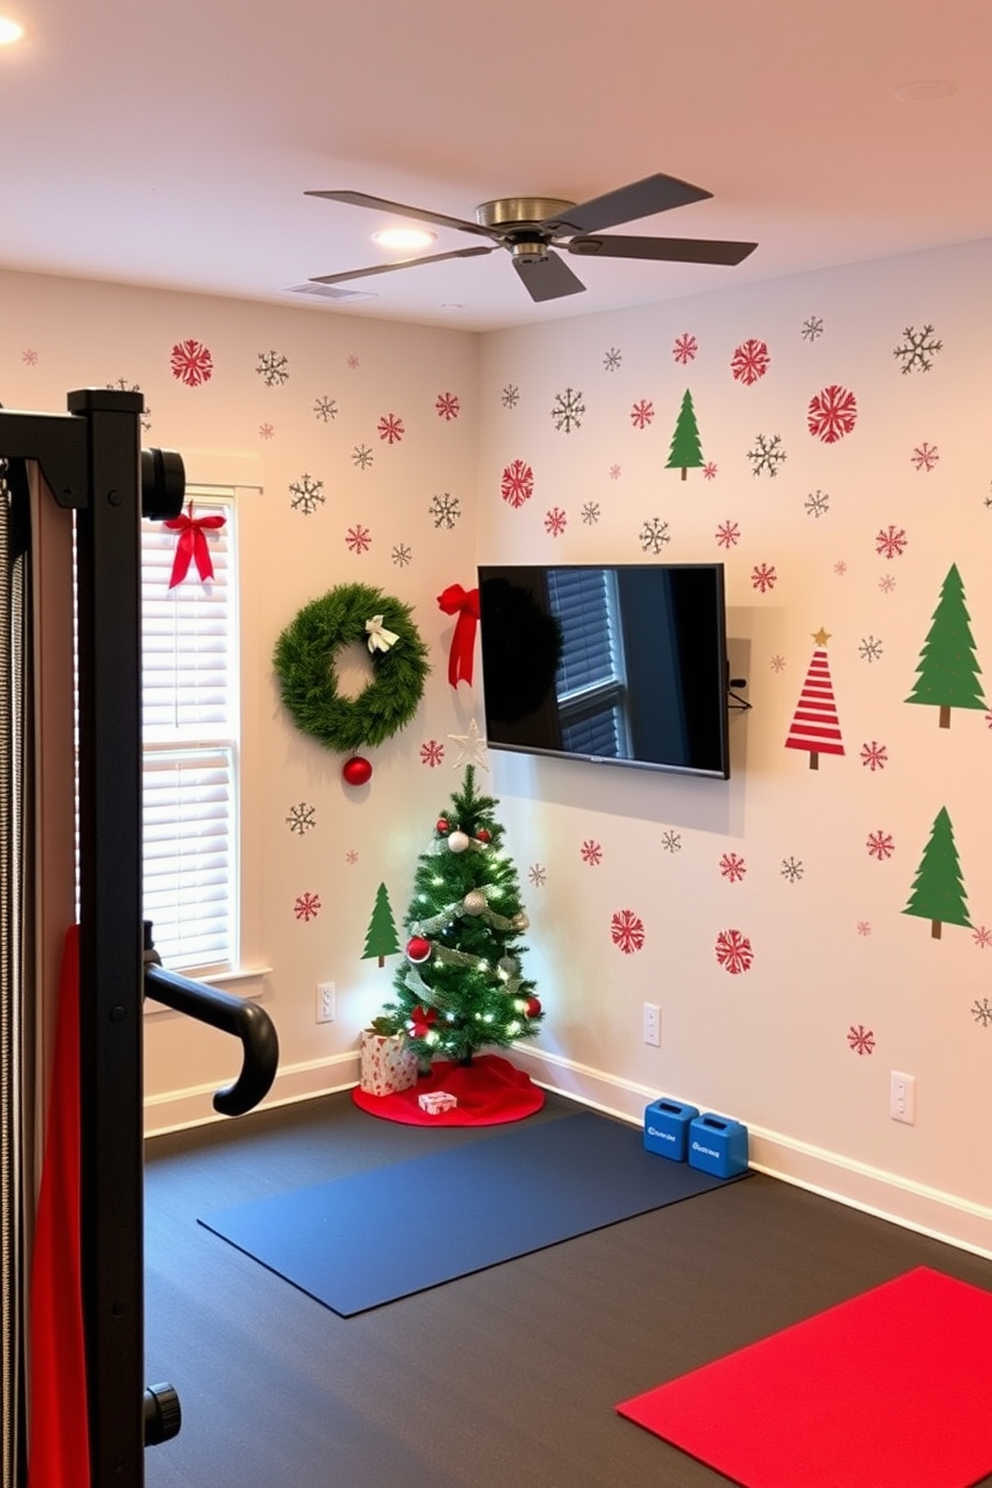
(870,649)
(891,542)
(684,348)
(307,907)
(642,413)
(750,361)
(308,494)
(401,555)
(817,504)
(880,845)
(325,409)
(191,363)
(671,841)
(812,328)
(728,535)
(302,818)
(431,753)
(445,509)
(591,852)
(538,875)
(358,538)
(763,577)
(981,1011)
(732,867)
(886,583)
(792,870)
(555,521)
(517,483)
(612,359)
(918,349)
(627,931)
(654,535)
(874,756)
(390,428)
(777,663)
(272,368)
(861,1039)
(925,456)
(734,952)
(567,411)
(591,513)
(767,454)
(362,456)
(510,396)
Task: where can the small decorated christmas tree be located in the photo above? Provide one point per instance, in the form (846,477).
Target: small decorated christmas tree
(462,987)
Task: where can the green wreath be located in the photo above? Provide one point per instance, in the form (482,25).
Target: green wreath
(304,662)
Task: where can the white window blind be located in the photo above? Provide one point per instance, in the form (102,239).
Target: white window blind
(591,682)
(190,712)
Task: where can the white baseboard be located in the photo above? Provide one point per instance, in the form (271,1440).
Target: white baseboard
(928,1211)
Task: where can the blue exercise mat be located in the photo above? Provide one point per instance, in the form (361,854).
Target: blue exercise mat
(358,1242)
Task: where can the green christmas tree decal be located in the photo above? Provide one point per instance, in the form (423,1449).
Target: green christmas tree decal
(380,938)
(938,888)
(947,672)
(462,987)
(685,453)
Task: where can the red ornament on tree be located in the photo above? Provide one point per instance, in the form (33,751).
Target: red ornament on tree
(482,835)
(533,1006)
(418,948)
(442,827)
(357,770)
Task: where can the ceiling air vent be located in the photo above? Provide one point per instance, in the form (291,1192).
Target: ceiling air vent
(329,292)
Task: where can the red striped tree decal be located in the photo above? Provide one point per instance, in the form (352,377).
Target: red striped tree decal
(815,726)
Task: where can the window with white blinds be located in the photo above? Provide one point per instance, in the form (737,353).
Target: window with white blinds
(591,680)
(190,713)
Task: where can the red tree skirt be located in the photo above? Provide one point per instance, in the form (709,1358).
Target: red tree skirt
(489,1091)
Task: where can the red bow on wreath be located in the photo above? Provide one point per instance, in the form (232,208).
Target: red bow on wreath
(192,545)
(421,1020)
(465,604)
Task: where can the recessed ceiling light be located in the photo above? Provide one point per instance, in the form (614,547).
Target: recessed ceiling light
(925,89)
(11,30)
(403,237)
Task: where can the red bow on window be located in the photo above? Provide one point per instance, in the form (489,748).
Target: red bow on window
(465,604)
(192,545)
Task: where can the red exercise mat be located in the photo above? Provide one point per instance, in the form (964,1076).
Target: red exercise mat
(890,1390)
(489,1091)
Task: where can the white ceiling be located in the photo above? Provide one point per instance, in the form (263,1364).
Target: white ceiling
(170,142)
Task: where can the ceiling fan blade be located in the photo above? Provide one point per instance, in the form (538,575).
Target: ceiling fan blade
(656,193)
(402,263)
(547,277)
(379,204)
(668,250)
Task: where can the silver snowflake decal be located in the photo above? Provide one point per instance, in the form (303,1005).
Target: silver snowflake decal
(861,1039)
(591,852)
(358,538)
(538,875)
(767,454)
(880,845)
(925,456)
(133,387)
(891,542)
(777,663)
(874,756)
(431,753)
(555,521)
(401,555)
(886,583)
(792,870)
(591,513)
(307,907)
(684,348)
(612,359)
(732,867)
(301,818)
(642,413)
(870,649)
(982,1012)
(918,349)
(817,504)
(812,327)
(654,535)
(728,535)
(272,368)
(445,509)
(510,396)
(362,456)
(567,411)
(671,841)
(325,409)
(308,494)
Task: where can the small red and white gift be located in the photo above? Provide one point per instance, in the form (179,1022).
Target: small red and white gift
(436,1101)
(388,1064)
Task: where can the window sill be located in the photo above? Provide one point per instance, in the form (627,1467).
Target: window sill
(246,982)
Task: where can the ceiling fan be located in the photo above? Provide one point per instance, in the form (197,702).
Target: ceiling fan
(536,229)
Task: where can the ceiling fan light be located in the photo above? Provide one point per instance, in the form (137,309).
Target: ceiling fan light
(404,237)
(11,30)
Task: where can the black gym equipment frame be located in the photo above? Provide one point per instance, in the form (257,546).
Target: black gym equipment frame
(92,463)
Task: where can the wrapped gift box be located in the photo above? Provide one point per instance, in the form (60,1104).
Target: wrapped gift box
(388,1065)
(436,1101)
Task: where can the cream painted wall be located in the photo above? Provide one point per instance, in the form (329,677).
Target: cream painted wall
(772,1045)
(832,951)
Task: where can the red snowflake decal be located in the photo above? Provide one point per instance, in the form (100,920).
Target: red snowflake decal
(447,406)
(358,539)
(982,938)
(614,472)
(351,856)
(763,577)
(431,753)
(627,931)
(265,431)
(863,927)
(861,1039)
(192,363)
(728,535)
(874,756)
(891,542)
(685,348)
(840,567)
(391,428)
(307,907)
(642,413)
(732,867)
(777,663)
(29,357)
(750,361)
(517,483)
(555,521)
(709,470)
(832,413)
(925,456)
(592,853)
(733,951)
(880,845)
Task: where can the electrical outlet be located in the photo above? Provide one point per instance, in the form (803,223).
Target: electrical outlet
(327,1003)
(902,1097)
(652,1024)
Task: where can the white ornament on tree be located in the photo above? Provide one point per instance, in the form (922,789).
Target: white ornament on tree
(458,842)
(475,902)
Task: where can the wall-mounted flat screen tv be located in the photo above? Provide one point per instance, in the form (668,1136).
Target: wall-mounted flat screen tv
(623,664)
